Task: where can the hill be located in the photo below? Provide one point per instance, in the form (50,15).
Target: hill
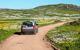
(59,10)
(61,7)
(62,10)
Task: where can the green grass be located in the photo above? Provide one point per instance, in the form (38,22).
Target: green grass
(6,33)
(66,37)
(67,11)
(45,22)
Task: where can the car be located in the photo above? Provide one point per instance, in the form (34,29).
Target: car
(29,27)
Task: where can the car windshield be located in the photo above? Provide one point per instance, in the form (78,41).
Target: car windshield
(29,24)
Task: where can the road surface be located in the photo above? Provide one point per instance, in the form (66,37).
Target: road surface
(30,42)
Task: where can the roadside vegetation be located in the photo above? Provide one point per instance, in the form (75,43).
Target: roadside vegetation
(4,34)
(66,37)
(44,22)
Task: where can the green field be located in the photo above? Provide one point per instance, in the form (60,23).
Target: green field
(66,37)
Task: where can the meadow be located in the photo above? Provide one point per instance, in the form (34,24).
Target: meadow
(66,37)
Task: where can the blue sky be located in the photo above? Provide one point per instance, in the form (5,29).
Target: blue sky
(28,4)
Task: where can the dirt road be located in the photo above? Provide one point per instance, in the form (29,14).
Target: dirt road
(29,42)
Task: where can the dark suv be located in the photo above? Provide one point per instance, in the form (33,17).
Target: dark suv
(29,26)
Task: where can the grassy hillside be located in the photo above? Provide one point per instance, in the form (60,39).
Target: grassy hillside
(60,7)
(41,11)
(61,10)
